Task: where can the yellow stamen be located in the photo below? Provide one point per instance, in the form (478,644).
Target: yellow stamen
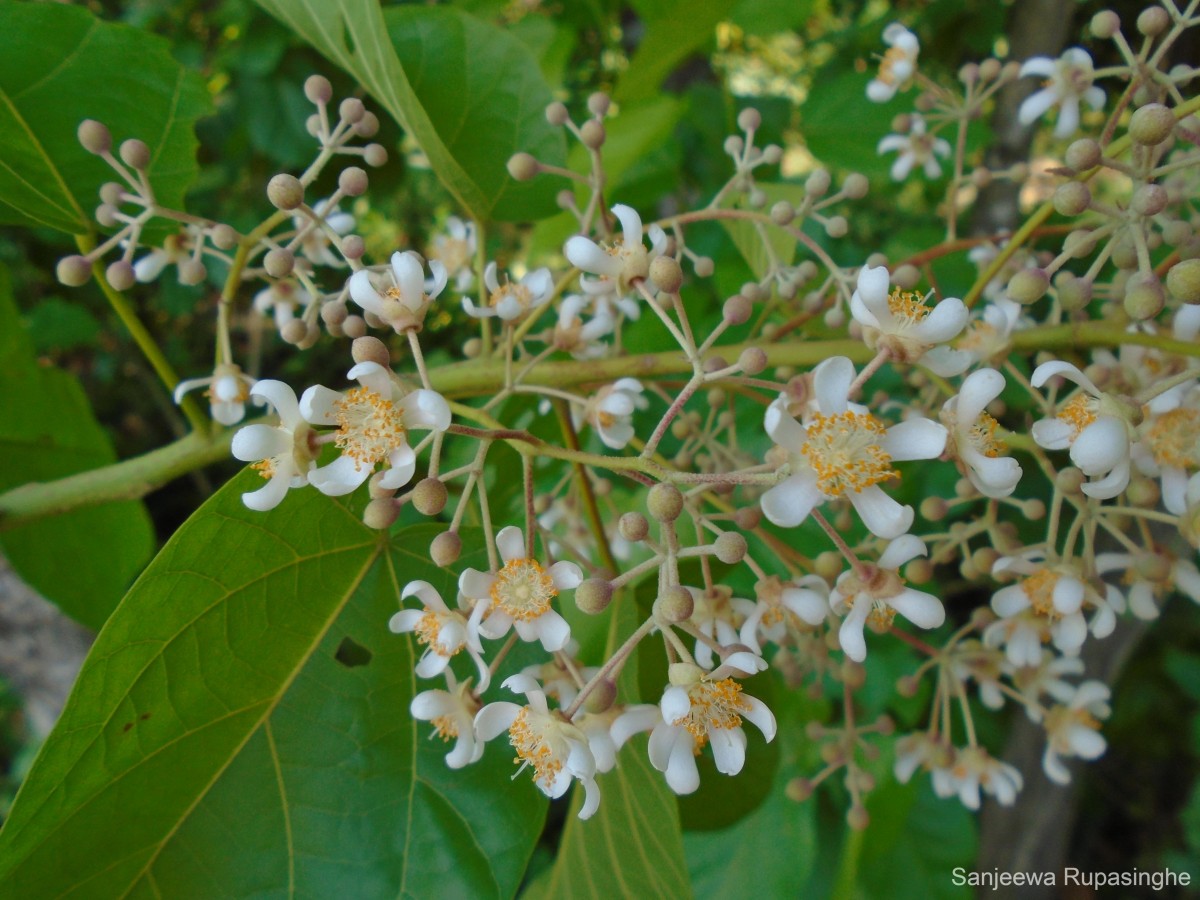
(369,427)
(715,704)
(265,467)
(983,437)
(533,749)
(446,727)
(844,451)
(523,589)
(1174,439)
(1039,588)
(1079,413)
(908,307)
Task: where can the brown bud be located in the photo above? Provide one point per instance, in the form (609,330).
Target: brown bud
(73,271)
(664,502)
(94,136)
(352,181)
(429,496)
(380,514)
(279,262)
(593,595)
(523,167)
(135,153)
(633,526)
(285,191)
(445,548)
(666,274)
(1151,124)
(730,547)
(318,89)
(674,604)
(120,275)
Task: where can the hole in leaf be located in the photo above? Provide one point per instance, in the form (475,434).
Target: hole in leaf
(350,653)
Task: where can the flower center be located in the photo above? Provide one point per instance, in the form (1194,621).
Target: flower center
(1174,439)
(982,436)
(265,467)
(844,451)
(519,292)
(523,589)
(428,630)
(446,727)
(1039,588)
(533,749)
(887,65)
(881,616)
(453,253)
(369,427)
(715,704)
(1079,413)
(909,307)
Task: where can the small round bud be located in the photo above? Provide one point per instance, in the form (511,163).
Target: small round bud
(94,136)
(223,237)
(106,216)
(853,674)
(702,266)
(112,193)
(445,548)
(380,514)
(135,153)
(756,199)
(556,113)
(1073,293)
(354,326)
(1079,243)
(752,292)
(782,213)
(522,167)
(352,181)
(772,154)
(593,595)
(664,502)
(730,548)
(367,126)
(293,332)
(1149,200)
(828,564)
(279,262)
(1035,510)
(472,347)
(351,110)
(592,134)
(1105,24)
(733,145)
(969,73)
(984,558)
(429,496)
(752,360)
(989,69)
(907,686)
(1153,21)
(1151,124)
(747,517)
(598,104)
(906,277)
(192,272)
(1183,281)
(836,226)
(285,191)
(1144,296)
(675,604)
(855,186)
(666,274)
(716,398)
(318,89)
(1072,198)
(73,271)
(1069,480)
(1083,154)
(633,526)
(375,155)
(601,698)
(919,571)
(817,184)
(370,349)
(1028,286)
(934,509)
(737,310)
(353,247)
(799,789)
(749,119)
(120,275)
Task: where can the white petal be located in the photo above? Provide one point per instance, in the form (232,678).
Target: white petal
(565,575)
(850,634)
(340,477)
(1035,105)
(831,384)
(1048,370)
(510,541)
(269,495)
(1100,446)
(757,713)
(318,405)
(882,515)
(914,439)
(682,775)
(631,224)
(255,442)
(552,630)
(402,464)
(475,584)
(405,621)
(783,429)
(944,322)
(583,253)
(923,610)
(495,718)
(425,409)
(901,550)
(788,503)
(281,397)
(1053,434)
(374,377)
(364,294)
(729,749)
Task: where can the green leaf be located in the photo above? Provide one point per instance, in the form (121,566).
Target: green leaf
(842,127)
(746,236)
(467,92)
(61,65)
(674,30)
(241,727)
(48,432)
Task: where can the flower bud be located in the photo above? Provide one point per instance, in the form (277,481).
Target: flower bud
(380,514)
(120,275)
(817,184)
(522,167)
(135,153)
(664,502)
(666,274)
(1153,21)
(318,89)
(367,126)
(592,134)
(375,155)
(1073,293)
(733,145)
(1183,281)
(106,216)
(782,213)
(192,272)
(749,119)
(674,604)
(855,186)
(598,104)
(601,698)
(223,237)
(752,360)
(1149,200)
(294,333)
(730,548)
(334,313)
(370,349)
(1072,198)
(593,595)
(1105,24)
(772,154)
(556,113)
(94,136)
(73,271)
(828,564)
(633,526)
(285,191)
(906,277)
(836,226)
(1069,480)
(1151,124)
(352,181)
(702,266)
(112,193)
(1144,296)
(1083,154)
(279,262)
(990,69)
(354,326)
(445,548)
(351,110)
(429,496)
(1028,286)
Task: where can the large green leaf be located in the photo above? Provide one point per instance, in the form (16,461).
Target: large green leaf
(473,96)
(47,432)
(674,30)
(241,728)
(61,65)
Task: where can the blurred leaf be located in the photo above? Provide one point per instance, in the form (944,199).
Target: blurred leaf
(746,237)
(842,127)
(674,30)
(767,17)
(220,743)
(56,324)
(48,432)
(275,110)
(55,59)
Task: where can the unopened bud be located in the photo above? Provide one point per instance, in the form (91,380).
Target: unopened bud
(1028,286)
(1153,21)
(906,277)
(445,548)
(1149,200)
(593,595)
(285,191)
(375,156)
(1183,281)
(294,332)
(192,272)
(702,266)
(135,153)
(354,326)
(1105,24)
(817,184)
(782,213)
(353,247)
(855,186)
(633,526)
(353,181)
(730,548)
(1144,296)
(752,360)
(367,126)
(279,262)
(556,113)
(592,134)
(666,274)
(1071,198)
(747,517)
(664,502)
(1083,154)
(1151,124)
(429,496)
(112,193)
(598,104)
(370,349)
(94,136)
(318,89)
(73,271)
(351,110)
(223,237)
(1074,293)
(749,119)
(522,167)
(675,604)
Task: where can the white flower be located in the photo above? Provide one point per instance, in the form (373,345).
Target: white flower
(314,246)
(1073,729)
(610,411)
(557,750)
(455,249)
(1046,677)
(372,422)
(228,391)
(625,259)
(902,324)
(973,440)
(972,659)
(283,453)
(1169,443)
(718,615)
(702,712)
(519,595)
(1090,426)
(511,301)
(1069,80)
(875,600)
(579,338)
(281,299)
(781,606)
(898,66)
(1149,575)
(452,714)
(404,302)
(445,632)
(917,148)
(175,249)
(988,335)
(841,452)
(973,768)
(608,301)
